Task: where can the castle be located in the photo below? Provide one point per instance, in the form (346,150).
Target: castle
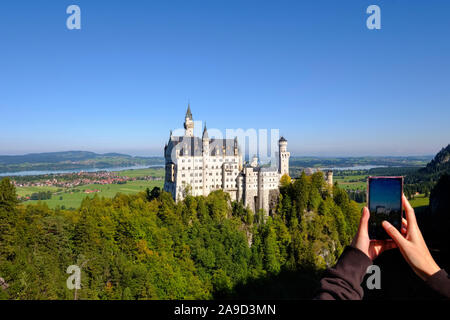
(201,165)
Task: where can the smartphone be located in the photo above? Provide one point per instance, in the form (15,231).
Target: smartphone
(385,203)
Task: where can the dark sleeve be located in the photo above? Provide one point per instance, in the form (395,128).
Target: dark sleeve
(440,282)
(343,281)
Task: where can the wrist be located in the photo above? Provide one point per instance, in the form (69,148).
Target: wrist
(431,269)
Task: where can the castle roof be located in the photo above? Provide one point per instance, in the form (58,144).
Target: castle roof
(192,146)
(282,139)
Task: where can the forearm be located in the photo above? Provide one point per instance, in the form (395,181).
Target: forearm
(343,281)
(440,282)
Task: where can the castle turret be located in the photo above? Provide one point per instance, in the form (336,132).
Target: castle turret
(284,155)
(205,159)
(189,123)
(329,177)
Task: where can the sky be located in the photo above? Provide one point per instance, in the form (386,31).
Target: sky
(311,69)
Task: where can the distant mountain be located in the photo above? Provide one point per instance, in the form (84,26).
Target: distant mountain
(424,179)
(68,160)
(53,157)
(440,163)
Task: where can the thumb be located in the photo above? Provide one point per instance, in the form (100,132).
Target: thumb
(394,234)
(364,221)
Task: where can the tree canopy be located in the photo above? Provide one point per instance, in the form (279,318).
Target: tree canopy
(146,246)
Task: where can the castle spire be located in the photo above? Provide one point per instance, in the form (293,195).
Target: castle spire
(205,133)
(188,112)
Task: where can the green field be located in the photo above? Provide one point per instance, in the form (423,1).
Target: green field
(352,182)
(356,181)
(27,191)
(72,197)
(419,201)
(154,172)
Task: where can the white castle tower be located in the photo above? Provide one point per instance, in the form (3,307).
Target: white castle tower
(284,156)
(189,123)
(205,159)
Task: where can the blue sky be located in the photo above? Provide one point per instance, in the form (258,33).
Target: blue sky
(309,68)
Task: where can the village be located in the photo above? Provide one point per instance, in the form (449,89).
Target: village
(70,180)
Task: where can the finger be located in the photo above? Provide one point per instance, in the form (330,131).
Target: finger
(394,234)
(404,228)
(410,216)
(364,221)
(404,223)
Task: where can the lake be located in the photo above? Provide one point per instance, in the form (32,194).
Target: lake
(38,172)
(365,167)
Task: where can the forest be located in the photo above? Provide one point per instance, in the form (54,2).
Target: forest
(146,246)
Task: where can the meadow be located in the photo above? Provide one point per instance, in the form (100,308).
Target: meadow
(134,173)
(72,197)
(351,181)
(355,180)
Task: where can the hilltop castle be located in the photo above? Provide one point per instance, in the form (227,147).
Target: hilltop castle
(202,165)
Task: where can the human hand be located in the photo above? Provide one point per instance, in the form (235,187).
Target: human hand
(372,248)
(412,245)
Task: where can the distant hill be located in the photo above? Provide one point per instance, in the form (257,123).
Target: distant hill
(68,160)
(438,166)
(424,179)
(440,163)
(54,157)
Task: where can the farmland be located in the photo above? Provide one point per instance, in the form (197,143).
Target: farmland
(68,198)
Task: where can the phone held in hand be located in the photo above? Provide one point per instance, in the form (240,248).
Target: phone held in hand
(385,203)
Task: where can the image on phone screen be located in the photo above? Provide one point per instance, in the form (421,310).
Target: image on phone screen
(385,203)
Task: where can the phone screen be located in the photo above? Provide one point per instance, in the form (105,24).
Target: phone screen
(385,203)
